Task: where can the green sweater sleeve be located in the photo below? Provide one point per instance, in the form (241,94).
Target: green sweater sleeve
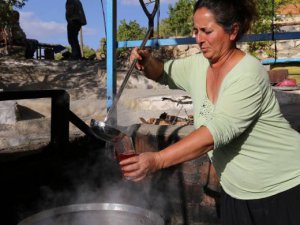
(179,73)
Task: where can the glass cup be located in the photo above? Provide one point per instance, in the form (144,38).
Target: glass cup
(124,149)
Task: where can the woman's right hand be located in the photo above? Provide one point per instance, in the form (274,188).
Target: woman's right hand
(138,167)
(142,57)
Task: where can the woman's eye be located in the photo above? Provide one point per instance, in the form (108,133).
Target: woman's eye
(203,31)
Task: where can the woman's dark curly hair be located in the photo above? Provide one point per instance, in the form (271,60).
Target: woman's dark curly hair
(228,12)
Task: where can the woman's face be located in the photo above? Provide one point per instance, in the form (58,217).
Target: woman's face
(214,42)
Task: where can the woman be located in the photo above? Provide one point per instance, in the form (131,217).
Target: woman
(237,119)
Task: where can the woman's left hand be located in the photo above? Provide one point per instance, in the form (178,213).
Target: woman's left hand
(138,167)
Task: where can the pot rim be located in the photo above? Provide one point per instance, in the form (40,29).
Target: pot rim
(92,207)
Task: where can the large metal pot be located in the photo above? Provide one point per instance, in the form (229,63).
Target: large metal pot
(95,214)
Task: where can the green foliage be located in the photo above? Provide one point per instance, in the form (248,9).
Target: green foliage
(6,10)
(102,50)
(265,10)
(180,19)
(165,29)
(180,22)
(263,24)
(103,44)
(88,52)
(16,3)
(130,31)
(59,56)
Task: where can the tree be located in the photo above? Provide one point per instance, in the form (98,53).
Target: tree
(164,29)
(6,10)
(266,10)
(88,52)
(180,19)
(16,3)
(102,50)
(130,31)
(264,24)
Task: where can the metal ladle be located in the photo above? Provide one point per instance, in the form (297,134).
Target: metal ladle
(108,132)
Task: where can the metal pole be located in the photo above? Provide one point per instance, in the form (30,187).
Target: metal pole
(60,121)
(81,42)
(111,25)
(103,14)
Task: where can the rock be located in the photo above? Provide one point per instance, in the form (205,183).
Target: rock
(8,113)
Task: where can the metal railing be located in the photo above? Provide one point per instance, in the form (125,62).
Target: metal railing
(60,103)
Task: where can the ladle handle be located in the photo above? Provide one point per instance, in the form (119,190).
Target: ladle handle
(150,15)
(118,94)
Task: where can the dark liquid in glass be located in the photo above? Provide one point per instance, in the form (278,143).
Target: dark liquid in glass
(126,155)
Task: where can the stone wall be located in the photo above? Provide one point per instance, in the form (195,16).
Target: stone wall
(285,49)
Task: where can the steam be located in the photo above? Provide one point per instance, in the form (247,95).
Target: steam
(97,179)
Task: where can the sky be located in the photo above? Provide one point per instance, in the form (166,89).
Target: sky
(44,20)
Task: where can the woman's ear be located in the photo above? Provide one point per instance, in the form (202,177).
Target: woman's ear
(234,31)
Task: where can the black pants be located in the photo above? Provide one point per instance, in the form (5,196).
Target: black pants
(280,209)
(73,31)
(31,46)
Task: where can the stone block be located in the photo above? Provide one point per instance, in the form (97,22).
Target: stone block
(8,111)
(193,51)
(277,76)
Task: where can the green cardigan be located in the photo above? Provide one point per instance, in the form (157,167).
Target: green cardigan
(256,152)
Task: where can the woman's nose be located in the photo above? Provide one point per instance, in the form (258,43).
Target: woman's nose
(198,37)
